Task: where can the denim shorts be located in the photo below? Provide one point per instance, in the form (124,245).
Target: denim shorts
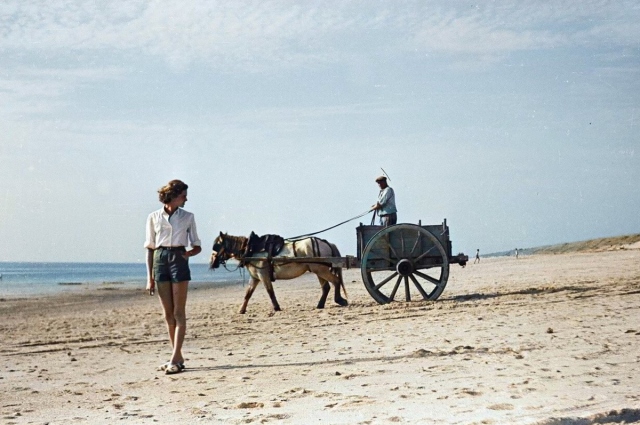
(169,265)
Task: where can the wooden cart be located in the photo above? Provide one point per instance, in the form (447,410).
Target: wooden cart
(408,258)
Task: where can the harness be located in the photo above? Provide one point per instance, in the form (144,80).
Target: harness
(262,248)
(245,249)
(271,244)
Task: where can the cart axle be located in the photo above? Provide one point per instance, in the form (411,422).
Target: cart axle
(405,267)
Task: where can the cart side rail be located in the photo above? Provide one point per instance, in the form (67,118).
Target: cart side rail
(440,231)
(347,262)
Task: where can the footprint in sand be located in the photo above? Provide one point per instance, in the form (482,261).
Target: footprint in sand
(250,405)
(501,406)
(468,391)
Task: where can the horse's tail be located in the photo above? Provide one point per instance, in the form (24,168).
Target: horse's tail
(338,270)
(339,274)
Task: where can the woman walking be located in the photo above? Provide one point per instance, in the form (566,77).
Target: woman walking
(169,231)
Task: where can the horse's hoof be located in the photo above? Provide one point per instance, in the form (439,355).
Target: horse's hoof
(342,302)
(320,306)
(241,311)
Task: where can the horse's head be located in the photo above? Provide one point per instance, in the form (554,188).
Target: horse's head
(219,254)
(225,247)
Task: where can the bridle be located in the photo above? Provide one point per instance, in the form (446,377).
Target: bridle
(225,247)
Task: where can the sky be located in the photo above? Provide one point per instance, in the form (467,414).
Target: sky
(516,121)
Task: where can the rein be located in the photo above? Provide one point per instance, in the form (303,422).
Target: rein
(295,238)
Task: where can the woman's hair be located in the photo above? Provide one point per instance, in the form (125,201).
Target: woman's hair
(171,190)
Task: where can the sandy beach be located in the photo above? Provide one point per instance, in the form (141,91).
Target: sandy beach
(544,339)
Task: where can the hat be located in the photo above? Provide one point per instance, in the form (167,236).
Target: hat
(381,179)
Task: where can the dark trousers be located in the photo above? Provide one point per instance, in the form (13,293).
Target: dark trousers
(388,219)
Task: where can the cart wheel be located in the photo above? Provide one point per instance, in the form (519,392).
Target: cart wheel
(386,265)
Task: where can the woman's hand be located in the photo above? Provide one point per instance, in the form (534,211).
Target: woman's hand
(194,251)
(151,286)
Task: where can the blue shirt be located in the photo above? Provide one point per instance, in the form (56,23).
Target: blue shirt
(387,199)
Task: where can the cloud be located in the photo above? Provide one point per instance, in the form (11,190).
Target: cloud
(275,34)
(504,27)
(25,91)
(50,47)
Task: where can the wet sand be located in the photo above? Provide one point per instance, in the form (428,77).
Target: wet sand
(545,339)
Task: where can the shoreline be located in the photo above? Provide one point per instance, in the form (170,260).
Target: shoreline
(106,292)
(530,341)
(66,289)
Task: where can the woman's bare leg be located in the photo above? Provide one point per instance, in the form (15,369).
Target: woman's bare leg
(173,297)
(165,294)
(180,319)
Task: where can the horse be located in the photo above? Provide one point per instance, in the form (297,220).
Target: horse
(262,269)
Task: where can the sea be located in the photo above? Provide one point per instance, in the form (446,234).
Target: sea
(37,279)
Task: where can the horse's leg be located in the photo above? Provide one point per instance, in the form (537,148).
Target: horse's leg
(325,273)
(266,279)
(339,283)
(247,296)
(325,291)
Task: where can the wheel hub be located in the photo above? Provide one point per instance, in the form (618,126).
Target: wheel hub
(404,267)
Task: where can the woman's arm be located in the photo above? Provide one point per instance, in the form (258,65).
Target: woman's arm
(151,284)
(194,251)
(194,239)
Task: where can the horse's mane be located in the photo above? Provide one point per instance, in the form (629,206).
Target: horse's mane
(235,244)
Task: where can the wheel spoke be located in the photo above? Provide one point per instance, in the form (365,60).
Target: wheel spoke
(395,254)
(381,257)
(384,282)
(427,277)
(392,295)
(391,262)
(388,245)
(416,244)
(419,287)
(406,288)
(424,254)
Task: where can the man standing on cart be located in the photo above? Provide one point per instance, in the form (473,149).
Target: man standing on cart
(386,205)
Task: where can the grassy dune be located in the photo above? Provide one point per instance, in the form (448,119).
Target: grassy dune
(601,244)
(592,245)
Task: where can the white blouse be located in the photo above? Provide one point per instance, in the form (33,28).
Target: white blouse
(177,230)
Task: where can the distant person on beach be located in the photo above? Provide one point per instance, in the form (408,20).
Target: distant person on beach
(169,231)
(477,260)
(516,252)
(386,205)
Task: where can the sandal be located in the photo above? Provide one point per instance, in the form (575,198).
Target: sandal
(173,368)
(165,366)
